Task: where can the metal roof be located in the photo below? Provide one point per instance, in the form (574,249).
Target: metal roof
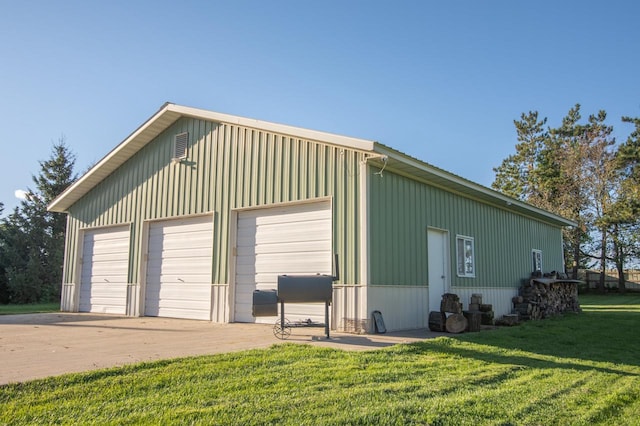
(383,156)
(406,165)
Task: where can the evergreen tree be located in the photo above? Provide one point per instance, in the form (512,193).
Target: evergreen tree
(32,239)
(623,219)
(569,170)
(516,176)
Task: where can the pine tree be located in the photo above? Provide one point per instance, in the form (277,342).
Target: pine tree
(568,170)
(516,176)
(32,239)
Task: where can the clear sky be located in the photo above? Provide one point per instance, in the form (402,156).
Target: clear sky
(439,80)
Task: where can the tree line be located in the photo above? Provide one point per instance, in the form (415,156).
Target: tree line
(579,171)
(32,239)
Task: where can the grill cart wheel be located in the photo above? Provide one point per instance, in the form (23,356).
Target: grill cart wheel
(282,331)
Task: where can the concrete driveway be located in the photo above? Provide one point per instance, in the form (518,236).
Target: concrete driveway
(35,346)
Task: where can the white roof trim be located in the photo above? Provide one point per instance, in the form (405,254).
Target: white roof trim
(346,141)
(169,113)
(165,117)
(468,188)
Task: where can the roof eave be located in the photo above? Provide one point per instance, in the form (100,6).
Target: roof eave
(168,114)
(446,180)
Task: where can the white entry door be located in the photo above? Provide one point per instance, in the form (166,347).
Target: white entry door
(292,240)
(179,268)
(105,266)
(438,254)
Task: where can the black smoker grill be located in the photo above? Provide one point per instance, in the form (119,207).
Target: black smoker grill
(295,289)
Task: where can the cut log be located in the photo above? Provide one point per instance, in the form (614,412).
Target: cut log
(437,321)
(451,303)
(487,318)
(485,307)
(474,319)
(509,320)
(456,323)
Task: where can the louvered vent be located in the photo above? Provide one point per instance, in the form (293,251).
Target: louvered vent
(180,142)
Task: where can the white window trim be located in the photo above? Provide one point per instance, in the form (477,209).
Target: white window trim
(534,253)
(459,256)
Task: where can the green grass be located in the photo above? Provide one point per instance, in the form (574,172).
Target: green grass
(580,369)
(33,308)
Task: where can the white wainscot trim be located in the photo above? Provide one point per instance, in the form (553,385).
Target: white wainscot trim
(349,309)
(402,307)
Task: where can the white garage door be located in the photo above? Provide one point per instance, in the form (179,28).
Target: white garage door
(288,240)
(179,268)
(105,265)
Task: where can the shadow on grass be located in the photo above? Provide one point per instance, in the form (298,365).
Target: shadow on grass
(519,360)
(573,341)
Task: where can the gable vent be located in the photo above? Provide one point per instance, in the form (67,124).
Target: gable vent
(180,145)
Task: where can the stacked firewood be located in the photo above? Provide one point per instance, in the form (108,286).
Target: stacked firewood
(486,309)
(450,317)
(545,297)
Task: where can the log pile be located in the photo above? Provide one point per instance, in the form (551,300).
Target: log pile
(545,297)
(450,317)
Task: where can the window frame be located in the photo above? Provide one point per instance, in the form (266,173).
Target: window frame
(465,273)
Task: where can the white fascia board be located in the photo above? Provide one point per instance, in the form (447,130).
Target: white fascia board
(161,120)
(315,135)
(106,165)
(486,193)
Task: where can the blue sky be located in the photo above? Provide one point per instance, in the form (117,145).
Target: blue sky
(441,81)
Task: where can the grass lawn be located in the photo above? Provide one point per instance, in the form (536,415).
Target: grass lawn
(580,369)
(33,308)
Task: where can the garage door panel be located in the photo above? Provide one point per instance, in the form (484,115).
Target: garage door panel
(109,259)
(291,235)
(305,262)
(186,291)
(182,242)
(110,267)
(187,252)
(183,226)
(104,273)
(288,214)
(275,241)
(179,268)
(290,247)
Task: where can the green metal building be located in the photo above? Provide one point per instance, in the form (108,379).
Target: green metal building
(195,210)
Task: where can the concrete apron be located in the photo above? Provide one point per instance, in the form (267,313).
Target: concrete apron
(36,346)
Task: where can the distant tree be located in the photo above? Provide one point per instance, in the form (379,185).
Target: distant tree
(4,292)
(628,159)
(570,170)
(32,239)
(623,218)
(517,175)
(599,178)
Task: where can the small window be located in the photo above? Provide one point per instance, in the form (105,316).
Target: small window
(537,260)
(465,256)
(180,142)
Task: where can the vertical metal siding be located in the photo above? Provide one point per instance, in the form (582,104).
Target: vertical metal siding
(227,167)
(401,211)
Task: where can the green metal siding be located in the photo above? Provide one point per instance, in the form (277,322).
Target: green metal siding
(227,167)
(401,210)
